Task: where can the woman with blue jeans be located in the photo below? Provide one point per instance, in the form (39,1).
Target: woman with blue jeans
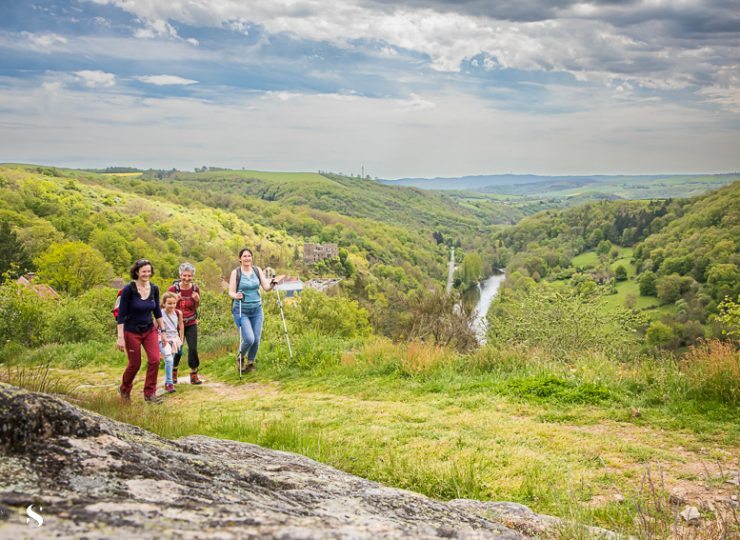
(244,289)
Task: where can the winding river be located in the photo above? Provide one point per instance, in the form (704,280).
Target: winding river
(488,289)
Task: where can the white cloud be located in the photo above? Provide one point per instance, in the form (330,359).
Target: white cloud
(43,42)
(107,48)
(240,24)
(594,43)
(163,80)
(53,87)
(96,78)
(155,28)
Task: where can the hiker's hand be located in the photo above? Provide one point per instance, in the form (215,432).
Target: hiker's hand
(196,297)
(121,344)
(239,296)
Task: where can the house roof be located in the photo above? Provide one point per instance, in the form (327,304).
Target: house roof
(41,289)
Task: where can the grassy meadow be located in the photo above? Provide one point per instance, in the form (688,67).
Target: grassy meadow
(579,437)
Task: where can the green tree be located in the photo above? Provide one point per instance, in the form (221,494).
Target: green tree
(620,273)
(12,253)
(38,237)
(114,248)
(73,267)
(604,247)
(723,280)
(647,282)
(668,288)
(471,269)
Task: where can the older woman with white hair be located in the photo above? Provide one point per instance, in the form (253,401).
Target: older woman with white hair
(188,300)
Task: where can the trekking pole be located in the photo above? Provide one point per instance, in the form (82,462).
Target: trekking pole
(282,316)
(240,360)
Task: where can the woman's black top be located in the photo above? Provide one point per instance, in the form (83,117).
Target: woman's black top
(134,312)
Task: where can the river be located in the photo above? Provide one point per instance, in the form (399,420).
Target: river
(488,289)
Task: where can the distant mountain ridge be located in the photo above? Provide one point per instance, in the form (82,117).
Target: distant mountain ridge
(615,186)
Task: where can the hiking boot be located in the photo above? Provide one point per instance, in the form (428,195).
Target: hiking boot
(174,375)
(125,396)
(194,378)
(249,368)
(169,389)
(154,398)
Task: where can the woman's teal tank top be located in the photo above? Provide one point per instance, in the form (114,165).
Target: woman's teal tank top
(250,286)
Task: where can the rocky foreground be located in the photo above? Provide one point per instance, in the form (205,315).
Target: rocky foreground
(88,476)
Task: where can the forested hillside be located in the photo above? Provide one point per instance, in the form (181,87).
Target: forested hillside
(79,229)
(672,261)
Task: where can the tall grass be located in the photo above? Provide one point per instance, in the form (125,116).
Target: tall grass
(712,371)
(36,379)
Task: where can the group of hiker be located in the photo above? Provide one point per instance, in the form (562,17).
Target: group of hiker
(163,325)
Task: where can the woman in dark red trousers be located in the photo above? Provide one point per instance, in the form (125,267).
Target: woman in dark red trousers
(137,329)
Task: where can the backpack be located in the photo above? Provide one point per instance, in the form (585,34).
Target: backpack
(194,317)
(117,304)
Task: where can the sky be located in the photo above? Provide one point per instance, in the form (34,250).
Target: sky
(402,88)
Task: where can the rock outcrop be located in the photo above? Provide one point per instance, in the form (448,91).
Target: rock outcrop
(91,477)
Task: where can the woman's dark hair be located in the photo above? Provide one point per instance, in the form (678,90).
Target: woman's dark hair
(138,265)
(241,252)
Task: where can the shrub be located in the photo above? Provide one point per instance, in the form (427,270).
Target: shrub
(548,387)
(439,318)
(23,314)
(660,335)
(214,314)
(729,317)
(331,315)
(75,321)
